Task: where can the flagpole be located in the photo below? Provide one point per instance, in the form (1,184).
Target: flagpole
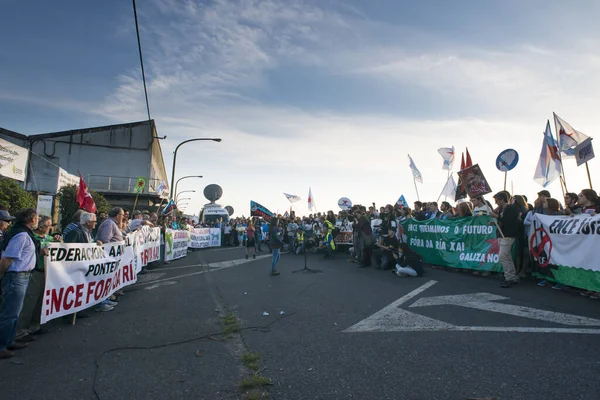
(587,168)
(444,188)
(416,190)
(562,168)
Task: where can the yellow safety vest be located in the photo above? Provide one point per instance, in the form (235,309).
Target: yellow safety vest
(300,236)
(327,235)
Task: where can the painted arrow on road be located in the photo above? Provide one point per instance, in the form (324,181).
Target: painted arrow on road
(487,302)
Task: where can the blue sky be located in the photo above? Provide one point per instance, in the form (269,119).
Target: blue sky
(328,94)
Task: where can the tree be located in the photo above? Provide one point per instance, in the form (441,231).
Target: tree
(14,197)
(68,205)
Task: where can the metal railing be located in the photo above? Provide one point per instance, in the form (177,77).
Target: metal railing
(119,184)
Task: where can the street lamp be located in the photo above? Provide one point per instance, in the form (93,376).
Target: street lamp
(183,198)
(175,157)
(188,176)
(183,191)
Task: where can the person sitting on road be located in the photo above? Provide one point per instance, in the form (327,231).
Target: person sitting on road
(408,263)
(328,245)
(382,258)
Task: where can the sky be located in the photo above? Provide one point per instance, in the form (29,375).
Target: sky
(325,94)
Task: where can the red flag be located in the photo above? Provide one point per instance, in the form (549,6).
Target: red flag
(462,161)
(84,198)
(469,163)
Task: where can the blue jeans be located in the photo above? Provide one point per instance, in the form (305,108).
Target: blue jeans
(14,287)
(275,259)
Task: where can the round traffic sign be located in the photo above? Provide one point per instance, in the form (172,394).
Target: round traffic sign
(344,203)
(507,160)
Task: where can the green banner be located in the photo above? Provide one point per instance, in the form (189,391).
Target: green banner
(468,243)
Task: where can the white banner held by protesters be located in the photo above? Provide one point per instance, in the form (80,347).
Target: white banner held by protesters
(146,243)
(565,249)
(80,275)
(176,244)
(201,238)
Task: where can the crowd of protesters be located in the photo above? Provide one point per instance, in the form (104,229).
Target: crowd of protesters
(376,240)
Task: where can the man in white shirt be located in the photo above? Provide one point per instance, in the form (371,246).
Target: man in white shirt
(138,221)
(480,207)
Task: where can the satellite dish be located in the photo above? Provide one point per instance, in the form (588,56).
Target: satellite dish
(213,192)
(229,210)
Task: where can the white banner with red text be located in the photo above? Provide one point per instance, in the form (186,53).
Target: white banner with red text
(146,244)
(80,275)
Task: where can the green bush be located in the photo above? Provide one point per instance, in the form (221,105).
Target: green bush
(15,198)
(68,205)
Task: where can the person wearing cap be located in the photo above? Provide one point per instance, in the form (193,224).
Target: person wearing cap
(138,221)
(5,220)
(382,257)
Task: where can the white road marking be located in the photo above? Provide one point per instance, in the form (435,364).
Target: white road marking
(394,319)
(157,285)
(215,267)
(486,302)
(391,317)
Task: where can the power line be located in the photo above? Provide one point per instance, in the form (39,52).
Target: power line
(137,29)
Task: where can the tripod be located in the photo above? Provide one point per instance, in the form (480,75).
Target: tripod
(306,269)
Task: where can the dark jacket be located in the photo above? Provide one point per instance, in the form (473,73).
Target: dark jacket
(76,235)
(510,220)
(274,240)
(412,260)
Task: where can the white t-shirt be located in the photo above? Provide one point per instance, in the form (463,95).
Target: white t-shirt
(483,210)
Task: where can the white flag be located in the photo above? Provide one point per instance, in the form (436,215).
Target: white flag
(292,198)
(568,138)
(450,188)
(311,201)
(447,154)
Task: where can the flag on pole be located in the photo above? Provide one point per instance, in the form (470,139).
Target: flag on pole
(568,138)
(450,188)
(292,198)
(468,162)
(311,200)
(549,165)
(162,189)
(169,207)
(402,202)
(84,198)
(462,161)
(415,171)
(447,154)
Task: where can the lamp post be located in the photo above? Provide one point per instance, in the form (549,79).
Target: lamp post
(188,176)
(183,198)
(175,157)
(183,191)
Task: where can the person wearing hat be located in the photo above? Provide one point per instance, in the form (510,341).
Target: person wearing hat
(5,220)
(138,221)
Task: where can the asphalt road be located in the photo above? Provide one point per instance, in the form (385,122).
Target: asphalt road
(331,342)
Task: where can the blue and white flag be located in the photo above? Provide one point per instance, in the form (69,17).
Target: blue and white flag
(568,138)
(415,171)
(549,165)
(447,154)
(169,207)
(402,202)
(292,198)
